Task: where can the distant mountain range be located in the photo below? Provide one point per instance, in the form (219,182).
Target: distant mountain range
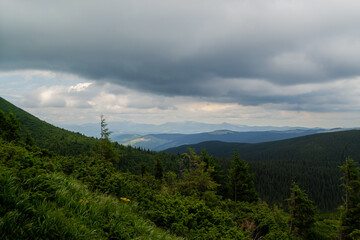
(173,134)
(188,127)
(160,142)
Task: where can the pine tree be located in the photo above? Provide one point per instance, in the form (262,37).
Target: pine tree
(197,178)
(143,169)
(158,170)
(216,173)
(2,123)
(28,139)
(9,127)
(302,212)
(105,148)
(350,219)
(241,182)
(104,131)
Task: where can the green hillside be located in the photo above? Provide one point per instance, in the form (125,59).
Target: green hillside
(160,142)
(345,143)
(87,198)
(68,143)
(311,160)
(38,201)
(118,192)
(48,136)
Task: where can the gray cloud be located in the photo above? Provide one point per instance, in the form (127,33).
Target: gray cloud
(230,51)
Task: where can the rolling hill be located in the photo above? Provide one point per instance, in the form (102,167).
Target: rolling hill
(345,143)
(48,136)
(187,127)
(159,142)
(67,143)
(311,160)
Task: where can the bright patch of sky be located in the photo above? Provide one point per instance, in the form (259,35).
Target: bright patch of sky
(68,99)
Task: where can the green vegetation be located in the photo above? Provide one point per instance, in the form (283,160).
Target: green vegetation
(39,202)
(312,161)
(302,213)
(48,136)
(107,193)
(350,220)
(241,182)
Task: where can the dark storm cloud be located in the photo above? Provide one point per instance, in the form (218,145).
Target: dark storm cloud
(193,48)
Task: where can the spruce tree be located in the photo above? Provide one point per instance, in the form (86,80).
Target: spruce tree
(104,131)
(143,169)
(105,148)
(158,170)
(241,182)
(350,219)
(197,178)
(28,139)
(2,123)
(9,127)
(302,212)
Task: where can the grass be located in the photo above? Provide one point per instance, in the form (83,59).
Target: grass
(71,212)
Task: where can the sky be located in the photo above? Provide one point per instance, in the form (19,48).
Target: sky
(251,62)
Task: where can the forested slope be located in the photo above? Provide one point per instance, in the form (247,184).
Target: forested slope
(311,160)
(48,136)
(44,195)
(343,143)
(67,143)
(159,142)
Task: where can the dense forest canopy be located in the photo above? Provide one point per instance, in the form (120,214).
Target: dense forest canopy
(310,160)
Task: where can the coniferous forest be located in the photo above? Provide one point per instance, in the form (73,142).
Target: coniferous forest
(56,184)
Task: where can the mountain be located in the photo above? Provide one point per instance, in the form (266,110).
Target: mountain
(347,142)
(188,127)
(87,196)
(313,161)
(159,142)
(48,136)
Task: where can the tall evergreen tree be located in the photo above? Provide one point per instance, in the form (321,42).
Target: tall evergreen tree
(9,127)
(302,212)
(350,219)
(2,123)
(104,131)
(143,169)
(158,170)
(28,139)
(241,181)
(197,178)
(105,148)
(216,173)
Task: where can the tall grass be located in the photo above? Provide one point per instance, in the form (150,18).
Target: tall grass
(71,211)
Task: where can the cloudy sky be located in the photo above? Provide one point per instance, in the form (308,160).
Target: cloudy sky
(254,62)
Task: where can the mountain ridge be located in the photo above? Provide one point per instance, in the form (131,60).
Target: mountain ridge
(187,127)
(47,135)
(159,142)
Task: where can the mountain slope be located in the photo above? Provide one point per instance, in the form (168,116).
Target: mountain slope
(68,143)
(311,160)
(345,143)
(159,142)
(39,201)
(48,136)
(188,127)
